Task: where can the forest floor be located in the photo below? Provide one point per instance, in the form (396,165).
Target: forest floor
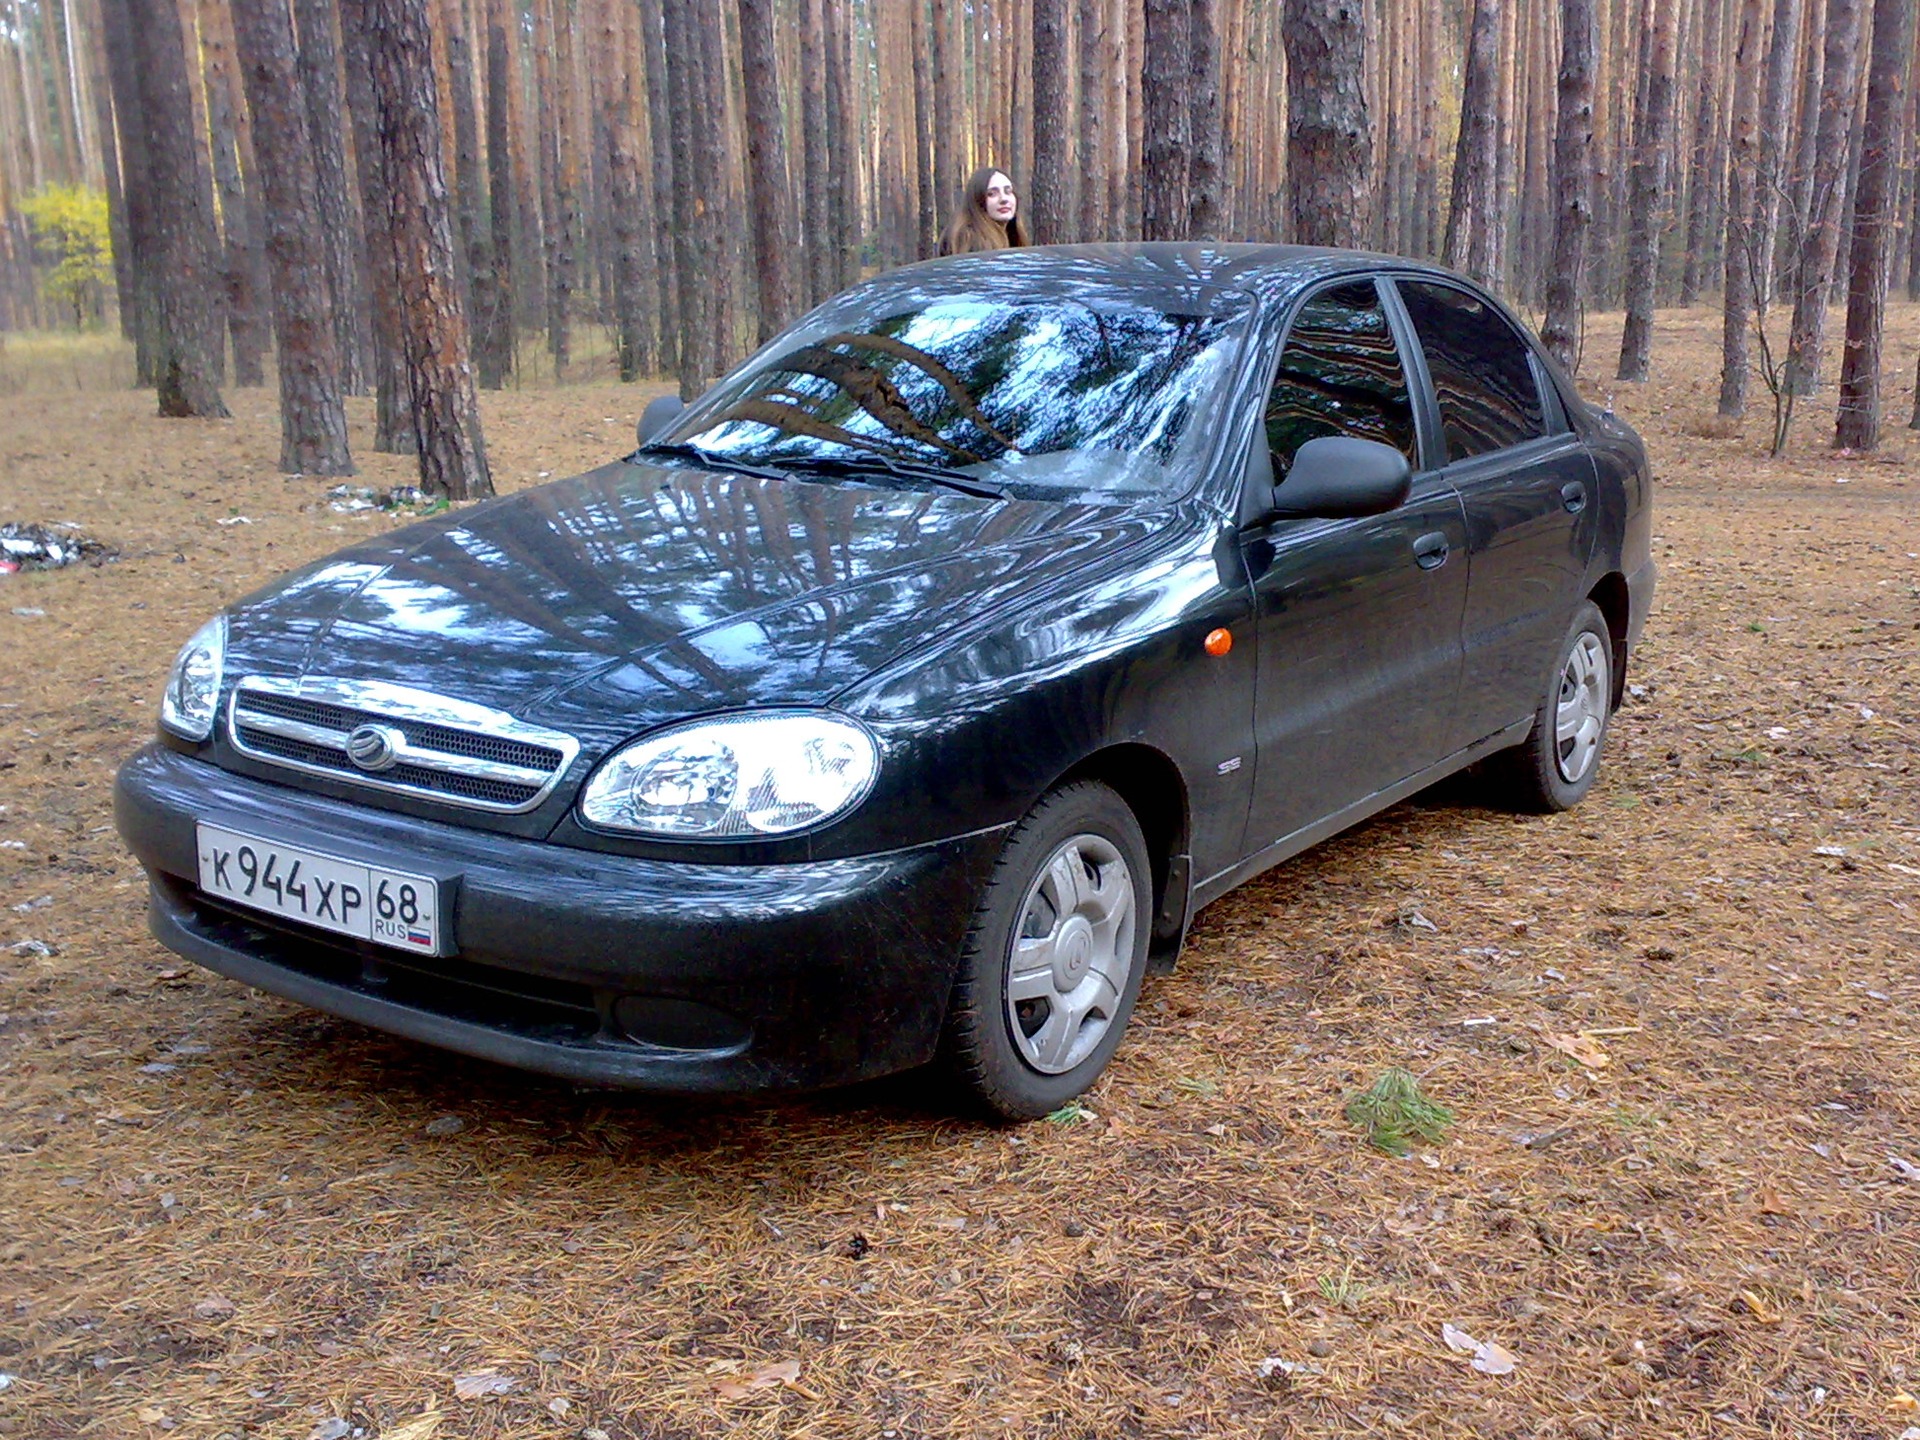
(223,1215)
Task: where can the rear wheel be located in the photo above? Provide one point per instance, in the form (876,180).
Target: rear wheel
(1055,956)
(1556,765)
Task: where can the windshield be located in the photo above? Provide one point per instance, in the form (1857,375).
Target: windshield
(1098,394)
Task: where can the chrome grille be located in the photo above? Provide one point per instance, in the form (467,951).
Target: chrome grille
(442,749)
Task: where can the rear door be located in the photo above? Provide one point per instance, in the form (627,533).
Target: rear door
(1527,485)
(1358,619)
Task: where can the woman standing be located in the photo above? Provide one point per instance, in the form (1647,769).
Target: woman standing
(988,216)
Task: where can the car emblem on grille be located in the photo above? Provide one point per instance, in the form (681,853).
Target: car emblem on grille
(375,747)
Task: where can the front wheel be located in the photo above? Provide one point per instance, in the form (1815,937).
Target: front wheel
(1054,958)
(1555,766)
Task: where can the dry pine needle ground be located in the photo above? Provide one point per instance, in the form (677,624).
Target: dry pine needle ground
(1676,1029)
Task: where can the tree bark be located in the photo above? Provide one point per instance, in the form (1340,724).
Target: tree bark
(473,232)
(766,166)
(494,351)
(1645,198)
(1469,244)
(1203,104)
(1704,176)
(1572,182)
(1742,251)
(923,138)
(185,272)
(1165,68)
(393,428)
(1857,424)
(313,422)
(419,229)
(1770,177)
(843,151)
(340,237)
(1329,126)
(1095,64)
(246,287)
(653,50)
(1052,85)
(1813,269)
(682,54)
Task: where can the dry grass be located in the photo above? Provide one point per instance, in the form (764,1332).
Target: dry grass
(223,1215)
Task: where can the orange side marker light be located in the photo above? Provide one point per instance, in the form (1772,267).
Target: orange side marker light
(1219,642)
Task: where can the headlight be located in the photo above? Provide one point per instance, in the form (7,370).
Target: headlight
(740,777)
(193,687)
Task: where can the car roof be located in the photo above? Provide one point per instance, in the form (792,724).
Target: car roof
(1271,271)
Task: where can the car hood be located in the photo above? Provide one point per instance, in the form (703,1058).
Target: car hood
(636,594)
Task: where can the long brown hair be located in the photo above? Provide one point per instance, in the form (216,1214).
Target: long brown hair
(972,228)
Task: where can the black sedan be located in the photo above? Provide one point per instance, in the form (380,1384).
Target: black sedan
(904,697)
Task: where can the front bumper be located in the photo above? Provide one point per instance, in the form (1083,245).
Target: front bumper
(608,969)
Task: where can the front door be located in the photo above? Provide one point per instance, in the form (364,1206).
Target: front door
(1358,619)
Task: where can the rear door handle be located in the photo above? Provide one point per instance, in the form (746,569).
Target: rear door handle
(1573,495)
(1431,550)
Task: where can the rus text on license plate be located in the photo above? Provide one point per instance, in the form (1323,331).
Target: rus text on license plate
(389,907)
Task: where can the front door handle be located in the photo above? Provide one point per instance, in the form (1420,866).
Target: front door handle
(1573,495)
(1431,550)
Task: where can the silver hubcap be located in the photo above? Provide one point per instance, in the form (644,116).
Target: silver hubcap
(1581,712)
(1071,954)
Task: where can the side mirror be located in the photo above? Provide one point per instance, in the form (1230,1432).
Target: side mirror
(661,412)
(1337,477)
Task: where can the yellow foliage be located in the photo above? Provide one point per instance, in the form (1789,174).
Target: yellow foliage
(70,224)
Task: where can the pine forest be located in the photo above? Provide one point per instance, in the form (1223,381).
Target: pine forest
(415,198)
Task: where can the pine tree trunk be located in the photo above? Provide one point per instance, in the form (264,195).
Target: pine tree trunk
(1857,424)
(1645,197)
(1329,127)
(948,146)
(1469,243)
(843,151)
(1741,258)
(1704,177)
(1572,183)
(1165,72)
(472,230)
(766,165)
(660,137)
(393,428)
(682,56)
(1770,174)
(1047,202)
(313,422)
(419,229)
(816,208)
(185,272)
(341,241)
(1203,105)
(712,131)
(1095,63)
(1813,269)
(493,352)
(102,94)
(246,299)
(923,144)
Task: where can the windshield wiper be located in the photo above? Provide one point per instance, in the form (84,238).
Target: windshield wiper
(707,460)
(866,464)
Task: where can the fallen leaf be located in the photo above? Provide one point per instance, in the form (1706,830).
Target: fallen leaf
(332,1428)
(213,1307)
(1580,1047)
(1903,1401)
(559,1405)
(482,1383)
(1759,1308)
(781,1372)
(150,1414)
(1493,1358)
(445,1125)
(1458,1340)
(420,1427)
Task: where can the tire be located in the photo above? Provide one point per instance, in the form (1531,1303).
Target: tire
(1053,960)
(1554,767)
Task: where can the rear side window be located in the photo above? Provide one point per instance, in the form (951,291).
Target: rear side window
(1482,371)
(1339,375)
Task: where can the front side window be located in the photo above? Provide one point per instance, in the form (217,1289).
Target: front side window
(1105,392)
(1340,374)
(1482,371)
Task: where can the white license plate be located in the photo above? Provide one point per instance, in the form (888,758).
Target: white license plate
(388,907)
